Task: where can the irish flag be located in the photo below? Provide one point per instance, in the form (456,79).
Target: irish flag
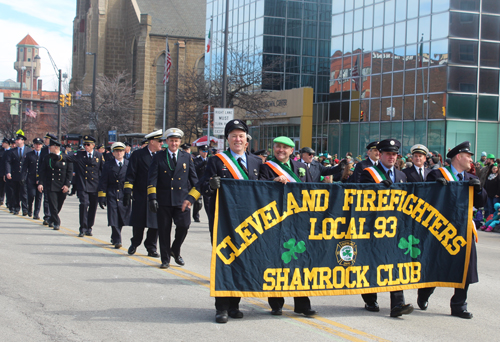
(209,41)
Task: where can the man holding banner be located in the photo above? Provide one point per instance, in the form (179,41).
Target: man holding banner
(234,163)
(283,169)
(385,172)
(461,159)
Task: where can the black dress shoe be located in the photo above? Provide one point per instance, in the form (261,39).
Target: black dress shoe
(197,220)
(15,212)
(462,314)
(178,260)
(118,245)
(45,223)
(372,307)
(132,249)
(422,304)
(277,312)
(36,218)
(400,310)
(153,254)
(307,312)
(51,225)
(56,227)
(88,233)
(164,265)
(80,235)
(235,313)
(221,316)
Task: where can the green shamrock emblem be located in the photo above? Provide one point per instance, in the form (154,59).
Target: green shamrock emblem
(302,172)
(347,253)
(408,245)
(300,247)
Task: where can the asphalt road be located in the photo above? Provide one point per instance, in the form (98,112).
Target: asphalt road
(55,286)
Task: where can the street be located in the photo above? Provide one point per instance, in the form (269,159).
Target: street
(55,286)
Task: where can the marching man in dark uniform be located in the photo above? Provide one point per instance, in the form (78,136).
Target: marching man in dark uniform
(128,147)
(418,172)
(88,166)
(8,182)
(315,168)
(170,175)
(200,164)
(373,156)
(234,163)
(43,153)
(30,176)
(385,172)
(461,159)
(54,179)
(110,189)
(281,168)
(3,158)
(136,181)
(13,168)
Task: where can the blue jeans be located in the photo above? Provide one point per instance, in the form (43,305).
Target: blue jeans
(490,206)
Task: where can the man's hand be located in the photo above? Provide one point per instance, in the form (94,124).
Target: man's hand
(102,202)
(40,188)
(153,205)
(22,182)
(387,182)
(65,189)
(442,181)
(281,179)
(126,199)
(9,176)
(214,182)
(476,184)
(185,205)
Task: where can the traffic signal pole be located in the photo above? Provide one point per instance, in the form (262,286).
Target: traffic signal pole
(59,109)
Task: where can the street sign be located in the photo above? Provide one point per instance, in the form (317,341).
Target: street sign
(1,97)
(221,117)
(112,136)
(220,144)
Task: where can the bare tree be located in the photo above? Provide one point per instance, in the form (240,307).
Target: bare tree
(9,124)
(115,106)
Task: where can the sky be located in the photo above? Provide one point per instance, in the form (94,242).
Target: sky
(49,23)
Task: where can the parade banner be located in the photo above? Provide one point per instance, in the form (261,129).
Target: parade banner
(318,239)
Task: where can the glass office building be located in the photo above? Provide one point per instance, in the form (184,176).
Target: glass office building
(420,71)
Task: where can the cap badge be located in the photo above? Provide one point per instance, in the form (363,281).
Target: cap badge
(392,142)
(236,122)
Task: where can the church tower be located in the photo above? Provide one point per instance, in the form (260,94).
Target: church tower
(27,57)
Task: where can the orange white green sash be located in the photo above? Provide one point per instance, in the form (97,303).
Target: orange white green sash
(283,170)
(232,165)
(448,174)
(377,175)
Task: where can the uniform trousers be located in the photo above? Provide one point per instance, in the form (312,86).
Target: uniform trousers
(300,303)
(88,208)
(46,211)
(151,237)
(227,303)
(19,197)
(397,298)
(36,196)
(56,200)
(198,205)
(116,234)
(2,190)
(182,221)
(8,194)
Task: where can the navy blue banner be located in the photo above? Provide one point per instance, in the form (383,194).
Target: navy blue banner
(314,239)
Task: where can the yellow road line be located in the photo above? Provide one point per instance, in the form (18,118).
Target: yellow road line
(195,277)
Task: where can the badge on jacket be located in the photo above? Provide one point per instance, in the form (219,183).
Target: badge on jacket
(184,165)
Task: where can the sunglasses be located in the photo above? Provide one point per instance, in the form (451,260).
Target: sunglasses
(86,144)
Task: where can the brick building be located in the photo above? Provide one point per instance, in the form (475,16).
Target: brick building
(129,35)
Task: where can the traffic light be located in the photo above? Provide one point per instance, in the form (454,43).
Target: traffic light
(361,116)
(61,100)
(68,99)
(444,111)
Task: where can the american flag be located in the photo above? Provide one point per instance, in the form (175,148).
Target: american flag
(168,64)
(355,73)
(31,113)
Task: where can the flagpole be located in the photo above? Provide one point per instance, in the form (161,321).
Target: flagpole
(165,89)
(209,79)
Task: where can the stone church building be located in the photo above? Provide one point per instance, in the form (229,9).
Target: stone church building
(130,36)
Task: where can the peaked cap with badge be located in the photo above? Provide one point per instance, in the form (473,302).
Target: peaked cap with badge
(419,148)
(118,146)
(155,135)
(173,133)
(460,148)
(88,139)
(389,145)
(235,124)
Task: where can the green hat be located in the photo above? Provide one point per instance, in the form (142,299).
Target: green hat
(490,156)
(285,141)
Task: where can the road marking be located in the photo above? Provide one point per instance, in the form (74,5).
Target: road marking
(204,281)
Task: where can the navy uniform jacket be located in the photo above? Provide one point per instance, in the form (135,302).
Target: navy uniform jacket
(359,169)
(366,177)
(136,182)
(200,165)
(87,171)
(108,156)
(412,175)
(317,170)
(43,152)
(14,163)
(111,185)
(3,160)
(167,184)
(266,173)
(54,174)
(30,168)
(479,201)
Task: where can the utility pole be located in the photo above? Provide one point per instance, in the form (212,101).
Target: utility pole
(224,67)
(59,109)
(20,97)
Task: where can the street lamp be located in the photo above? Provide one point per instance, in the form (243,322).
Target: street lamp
(20,97)
(92,125)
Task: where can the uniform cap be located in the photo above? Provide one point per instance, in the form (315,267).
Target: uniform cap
(263,153)
(154,135)
(389,145)
(419,148)
(307,150)
(100,146)
(185,146)
(284,140)
(126,143)
(37,141)
(174,133)
(54,142)
(144,141)
(235,124)
(50,136)
(20,136)
(203,148)
(372,145)
(118,146)
(88,139)
(463,147)
(6,140)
